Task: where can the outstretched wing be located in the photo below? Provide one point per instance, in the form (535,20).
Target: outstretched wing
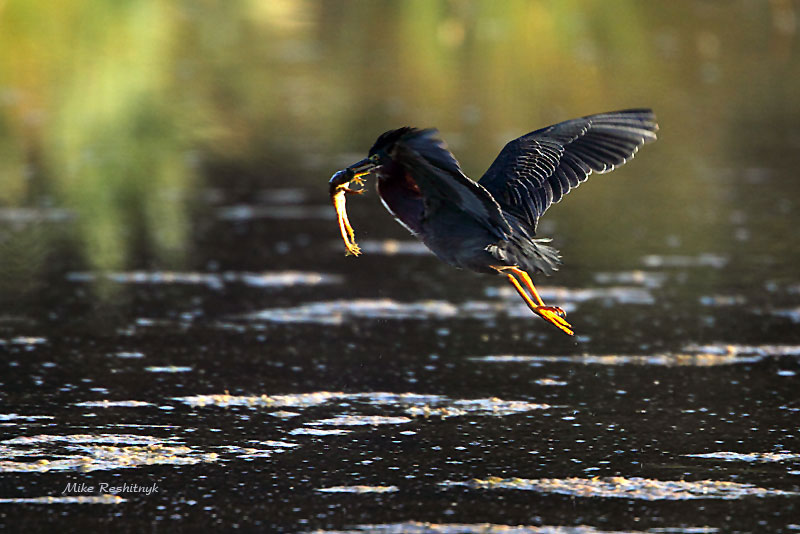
(440,180)
(536,170)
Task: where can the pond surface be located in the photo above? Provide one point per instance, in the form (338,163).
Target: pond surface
(185,346)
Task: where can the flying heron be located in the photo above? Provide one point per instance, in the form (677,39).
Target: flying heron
(489,226)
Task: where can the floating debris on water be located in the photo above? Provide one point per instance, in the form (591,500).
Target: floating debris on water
(748,456)
(359,489)
(627,488)
(66,499)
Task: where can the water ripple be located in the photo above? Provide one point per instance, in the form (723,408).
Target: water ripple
(627,488)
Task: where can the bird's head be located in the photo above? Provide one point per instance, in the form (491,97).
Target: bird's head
(416,144)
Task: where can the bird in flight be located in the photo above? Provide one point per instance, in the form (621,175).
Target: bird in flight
(489,226)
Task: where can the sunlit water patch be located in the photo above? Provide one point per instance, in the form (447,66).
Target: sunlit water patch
(361,420)
(793,314)
(626,488)
(319,431)
(701,260)
(23,341)
(66,499)
(613,294)
(18,417)
(84,452)
(113,404)
(720,301)
(271,401)
(413,404)
(359,489)
(338,311)
(392,247)
(727,349)
(668,359)
(247,212)
(418,527)
(127,355)
(212,280)
(782,456)
(23,216)
(649,279)
(169,369)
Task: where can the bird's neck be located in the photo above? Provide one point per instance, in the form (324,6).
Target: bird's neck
(401,196)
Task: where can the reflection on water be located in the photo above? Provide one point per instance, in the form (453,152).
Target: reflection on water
(213,281)
(359,489)
(66,499)
(749,457)
(416,527)
(88,453)
(627,488)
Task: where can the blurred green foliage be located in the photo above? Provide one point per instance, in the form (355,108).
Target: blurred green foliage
(116,110)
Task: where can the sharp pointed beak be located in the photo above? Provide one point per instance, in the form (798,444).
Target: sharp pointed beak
(363,167)
(353,172)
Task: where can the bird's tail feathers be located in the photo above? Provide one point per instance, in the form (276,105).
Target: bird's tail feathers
(528,254)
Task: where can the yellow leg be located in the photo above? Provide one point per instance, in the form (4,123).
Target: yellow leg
(528,283)
(551,314)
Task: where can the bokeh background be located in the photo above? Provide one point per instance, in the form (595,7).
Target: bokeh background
(118,117)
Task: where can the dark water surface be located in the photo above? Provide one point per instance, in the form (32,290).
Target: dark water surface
(184,346)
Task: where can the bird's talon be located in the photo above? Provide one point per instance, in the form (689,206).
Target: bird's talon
(551,315)
(555,309)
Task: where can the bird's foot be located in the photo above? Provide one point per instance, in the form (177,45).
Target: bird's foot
(554,316)
(352,191)
(555,309)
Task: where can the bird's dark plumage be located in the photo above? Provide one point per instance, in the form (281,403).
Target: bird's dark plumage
(489,226)
(534,171)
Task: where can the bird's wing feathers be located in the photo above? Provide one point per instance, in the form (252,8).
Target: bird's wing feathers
(536,170)
(440,179)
